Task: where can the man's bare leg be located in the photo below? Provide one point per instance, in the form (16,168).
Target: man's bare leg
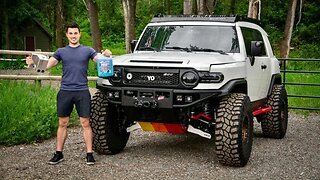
(62,132)
(61,138)
(87,133)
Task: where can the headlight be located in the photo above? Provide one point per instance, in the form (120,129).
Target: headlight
(189,78)
(117,75)
(211,77)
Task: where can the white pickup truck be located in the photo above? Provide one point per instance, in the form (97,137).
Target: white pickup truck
(208,75)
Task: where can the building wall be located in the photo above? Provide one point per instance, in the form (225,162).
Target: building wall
(42,40)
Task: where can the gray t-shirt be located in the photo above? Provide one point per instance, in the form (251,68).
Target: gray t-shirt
(74,66)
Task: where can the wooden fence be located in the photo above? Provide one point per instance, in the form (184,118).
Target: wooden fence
(36,78)
(15,52)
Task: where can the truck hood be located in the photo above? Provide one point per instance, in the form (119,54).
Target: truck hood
(198,60)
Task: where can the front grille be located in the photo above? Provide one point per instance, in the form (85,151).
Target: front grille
(151,78)
(157,77)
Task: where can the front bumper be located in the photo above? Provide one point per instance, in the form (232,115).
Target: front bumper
(161,98)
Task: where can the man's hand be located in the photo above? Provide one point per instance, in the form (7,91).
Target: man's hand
(29,60)
(107,53)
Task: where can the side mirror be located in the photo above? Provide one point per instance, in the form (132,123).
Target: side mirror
(256,48)
(133,44)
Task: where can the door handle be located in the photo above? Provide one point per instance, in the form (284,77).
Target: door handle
(263,66)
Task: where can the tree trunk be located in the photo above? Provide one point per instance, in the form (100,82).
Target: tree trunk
(169,6)
(206,7)
(285,43)
(7,29)
(254,9)
(187,7)
(1,25)
(201,7)
(49,11)
(94,25)
(195,7)
(59,23)
(232,7)
(54,36)
(129,9)
(214,4)
(163,6)
(1,46)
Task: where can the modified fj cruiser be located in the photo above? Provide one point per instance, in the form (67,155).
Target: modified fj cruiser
(208,75)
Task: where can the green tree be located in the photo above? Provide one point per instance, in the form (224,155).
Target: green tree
(60,22)
(129,9)
(94,25)
(285,42)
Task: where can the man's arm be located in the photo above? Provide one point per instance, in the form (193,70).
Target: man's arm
(51,62)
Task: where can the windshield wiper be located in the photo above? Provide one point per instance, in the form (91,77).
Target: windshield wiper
(179,48)
(149,48)
(209,50)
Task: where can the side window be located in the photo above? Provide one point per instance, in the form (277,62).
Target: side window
(252,35)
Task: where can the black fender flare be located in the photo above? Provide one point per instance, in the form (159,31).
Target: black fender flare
(235,86)
(275,79)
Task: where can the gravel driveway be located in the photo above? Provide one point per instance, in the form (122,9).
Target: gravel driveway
(165,156)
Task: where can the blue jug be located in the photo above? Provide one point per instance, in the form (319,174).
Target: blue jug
(104,66)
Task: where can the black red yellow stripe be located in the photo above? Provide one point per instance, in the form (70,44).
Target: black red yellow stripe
(163,127)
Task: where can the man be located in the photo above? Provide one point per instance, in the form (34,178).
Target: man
(73,90)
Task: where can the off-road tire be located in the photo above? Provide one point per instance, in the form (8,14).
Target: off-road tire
(274,123)
(109,135)
(234,130)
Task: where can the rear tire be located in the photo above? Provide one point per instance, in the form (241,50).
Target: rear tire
(107,122)
(274,123)
(234,130)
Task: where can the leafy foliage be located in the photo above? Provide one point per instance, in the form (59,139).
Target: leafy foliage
(28,113)
(307,51)
(18,64)
(111,20)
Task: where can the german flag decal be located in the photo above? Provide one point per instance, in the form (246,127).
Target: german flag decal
(162,127)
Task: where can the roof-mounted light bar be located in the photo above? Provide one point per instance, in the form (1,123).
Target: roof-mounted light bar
(210,18)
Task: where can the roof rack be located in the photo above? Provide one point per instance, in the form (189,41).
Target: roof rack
(211,18)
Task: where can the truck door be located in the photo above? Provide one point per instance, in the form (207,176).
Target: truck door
(258,67)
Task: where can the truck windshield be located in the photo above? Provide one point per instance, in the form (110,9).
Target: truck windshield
(221,39)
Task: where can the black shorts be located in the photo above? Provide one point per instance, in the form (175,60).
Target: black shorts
(67,99)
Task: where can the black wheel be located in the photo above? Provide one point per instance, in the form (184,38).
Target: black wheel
(234,130)
(274,123)
(107,122)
